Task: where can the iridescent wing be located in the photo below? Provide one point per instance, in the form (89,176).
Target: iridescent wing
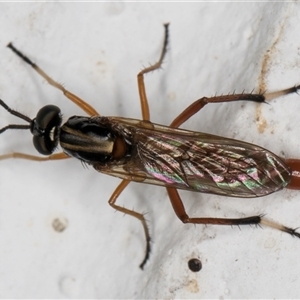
(198,162)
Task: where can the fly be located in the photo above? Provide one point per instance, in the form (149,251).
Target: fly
(141,151)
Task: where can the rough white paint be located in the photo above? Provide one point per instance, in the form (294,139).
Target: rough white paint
(96,50)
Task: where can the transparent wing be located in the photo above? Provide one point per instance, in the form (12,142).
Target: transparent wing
(201,162)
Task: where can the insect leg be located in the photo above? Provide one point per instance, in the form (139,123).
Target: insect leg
(140,77)
(75,99)
(200,103)
(253,220)
(112,200)
(56,156)
(184,217)
(146,117)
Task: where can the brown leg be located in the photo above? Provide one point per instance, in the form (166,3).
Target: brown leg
(183,216)
(112,200)
(75,99)
(199,104)
(56,156)
(254,220)
(146,117)
(140,78)
(173,193)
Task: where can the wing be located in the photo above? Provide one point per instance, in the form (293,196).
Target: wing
(200,162)
(211,164)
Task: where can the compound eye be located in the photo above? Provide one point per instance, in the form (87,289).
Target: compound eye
(45,128)
(48,117)
(44,145)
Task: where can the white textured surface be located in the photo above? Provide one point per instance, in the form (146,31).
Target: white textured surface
(96,50)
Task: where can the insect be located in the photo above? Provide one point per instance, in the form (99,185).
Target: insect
(141,151)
